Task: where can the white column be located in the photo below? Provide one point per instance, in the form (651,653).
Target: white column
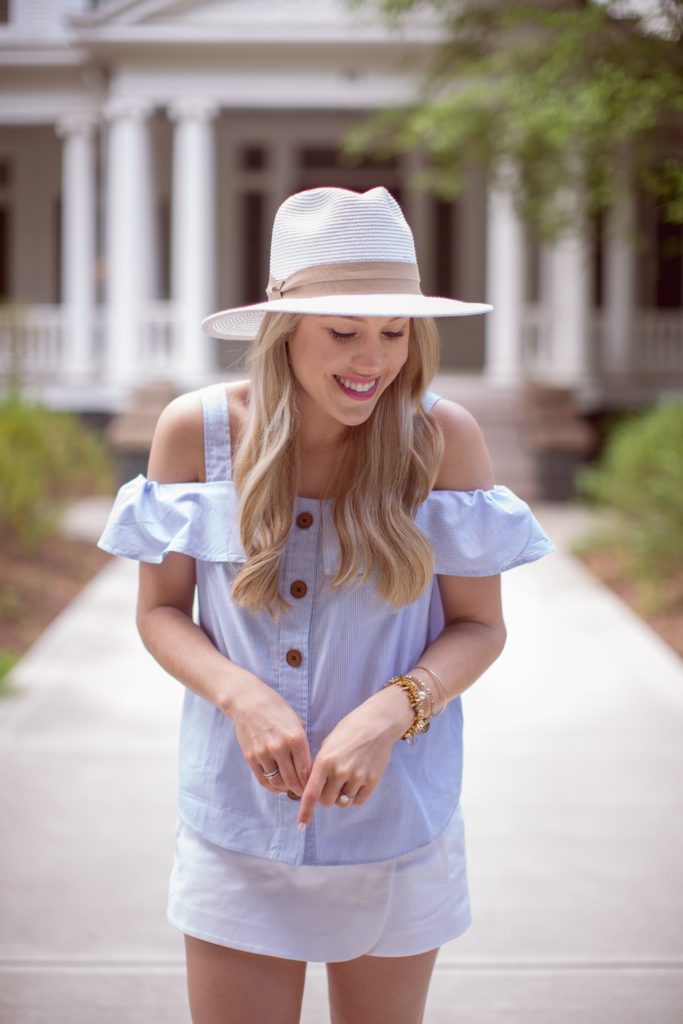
(620,284)
(193,230)
(505,255)
(128,242)
(418,208)
(78,239)
(568,280)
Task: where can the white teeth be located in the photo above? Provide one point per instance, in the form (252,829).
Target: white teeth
(352,386)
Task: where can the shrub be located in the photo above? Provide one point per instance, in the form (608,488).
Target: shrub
(46,460)
(8,660)
(640,477)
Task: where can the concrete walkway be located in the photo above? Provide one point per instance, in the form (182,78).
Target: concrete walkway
(573,800)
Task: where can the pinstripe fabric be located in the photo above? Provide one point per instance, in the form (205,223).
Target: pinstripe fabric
(348,644)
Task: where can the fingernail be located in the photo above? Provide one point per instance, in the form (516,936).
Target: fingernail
(301,825)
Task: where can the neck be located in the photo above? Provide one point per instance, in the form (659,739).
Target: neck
(318,432)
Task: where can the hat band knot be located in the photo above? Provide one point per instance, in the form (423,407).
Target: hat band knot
(362,278)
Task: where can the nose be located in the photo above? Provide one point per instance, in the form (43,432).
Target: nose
(370,353)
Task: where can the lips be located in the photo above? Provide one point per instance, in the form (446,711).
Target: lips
(358,388)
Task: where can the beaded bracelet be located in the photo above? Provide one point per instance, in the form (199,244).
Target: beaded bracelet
(438,681)
(416,695)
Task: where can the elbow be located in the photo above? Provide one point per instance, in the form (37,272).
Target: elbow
(501,634)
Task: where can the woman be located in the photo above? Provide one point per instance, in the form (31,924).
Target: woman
(342,530)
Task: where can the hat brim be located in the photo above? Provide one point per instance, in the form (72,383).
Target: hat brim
(243,322)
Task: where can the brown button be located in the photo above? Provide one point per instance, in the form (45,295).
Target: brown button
(294,657)
(304,520)
(292,796)
(298,588)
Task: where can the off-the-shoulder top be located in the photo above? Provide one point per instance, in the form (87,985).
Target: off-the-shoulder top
(325,656)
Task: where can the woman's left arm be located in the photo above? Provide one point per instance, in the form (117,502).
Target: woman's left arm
(474,633)
(353,757)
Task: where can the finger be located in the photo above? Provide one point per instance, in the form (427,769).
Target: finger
(345,799)
(310,798)
(331,792)
(302,767)
(363,794)
(289,775)
(272,782)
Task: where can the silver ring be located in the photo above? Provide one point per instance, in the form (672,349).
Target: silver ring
(271,774)
(345,799)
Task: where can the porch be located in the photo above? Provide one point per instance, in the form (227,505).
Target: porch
(36,354)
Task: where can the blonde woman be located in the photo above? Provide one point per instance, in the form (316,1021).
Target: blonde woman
(341,528)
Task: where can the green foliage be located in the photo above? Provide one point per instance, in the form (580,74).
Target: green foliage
(640,477)
(7,662)
(46,459)
(571,95)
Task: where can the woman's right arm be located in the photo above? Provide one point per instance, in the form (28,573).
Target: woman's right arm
(268,730)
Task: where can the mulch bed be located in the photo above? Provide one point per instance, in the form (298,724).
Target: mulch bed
(666,617)
(35,587)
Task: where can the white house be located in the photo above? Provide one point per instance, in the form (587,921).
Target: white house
(144,148)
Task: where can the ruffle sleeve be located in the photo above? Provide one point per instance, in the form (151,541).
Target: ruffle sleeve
(481,532)
(472,533)
(149,520)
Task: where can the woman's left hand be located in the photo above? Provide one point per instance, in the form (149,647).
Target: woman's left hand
(352,758)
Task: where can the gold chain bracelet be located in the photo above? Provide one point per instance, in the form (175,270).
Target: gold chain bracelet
(439,683)
(416,695)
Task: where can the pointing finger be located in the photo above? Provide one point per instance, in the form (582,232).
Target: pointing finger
(310,798)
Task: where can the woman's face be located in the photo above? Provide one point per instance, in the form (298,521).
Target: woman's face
(343,364)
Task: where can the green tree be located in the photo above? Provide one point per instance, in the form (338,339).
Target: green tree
(578,97)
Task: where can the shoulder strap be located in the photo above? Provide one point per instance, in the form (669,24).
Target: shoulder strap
(217,454)
(430,399)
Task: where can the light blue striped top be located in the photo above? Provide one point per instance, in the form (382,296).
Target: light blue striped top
(346,644)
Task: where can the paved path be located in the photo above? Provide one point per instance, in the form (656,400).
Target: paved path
(572,798)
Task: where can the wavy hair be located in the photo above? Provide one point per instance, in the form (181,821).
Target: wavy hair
(389,467)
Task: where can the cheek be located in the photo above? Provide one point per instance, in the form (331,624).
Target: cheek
(401,356)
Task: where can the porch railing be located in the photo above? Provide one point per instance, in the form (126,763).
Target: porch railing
(34,344)
(655,347)
(31,342)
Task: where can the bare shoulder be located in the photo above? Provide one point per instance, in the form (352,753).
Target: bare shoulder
(177,452)
(466,463)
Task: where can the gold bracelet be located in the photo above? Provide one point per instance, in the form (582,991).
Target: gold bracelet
(426,692)
(415,696)
(439,683)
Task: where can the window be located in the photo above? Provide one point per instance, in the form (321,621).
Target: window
(254,260)
(444,214)
(5,240)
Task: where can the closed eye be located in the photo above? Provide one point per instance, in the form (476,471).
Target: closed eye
(347,337)
(341,337)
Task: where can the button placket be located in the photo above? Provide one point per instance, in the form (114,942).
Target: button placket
(299,577)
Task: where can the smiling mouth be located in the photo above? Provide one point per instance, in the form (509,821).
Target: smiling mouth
(357,389)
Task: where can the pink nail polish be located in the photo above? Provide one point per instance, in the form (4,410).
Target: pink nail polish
(301,826)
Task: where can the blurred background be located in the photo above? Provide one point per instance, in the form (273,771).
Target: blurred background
(537,151)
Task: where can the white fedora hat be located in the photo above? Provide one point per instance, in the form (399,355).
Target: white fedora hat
(336,252)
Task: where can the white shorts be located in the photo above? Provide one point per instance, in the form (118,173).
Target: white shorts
(399,907)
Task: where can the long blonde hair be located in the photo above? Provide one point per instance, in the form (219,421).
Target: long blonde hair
(390,467)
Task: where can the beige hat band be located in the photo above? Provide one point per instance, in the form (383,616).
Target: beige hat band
(363,278)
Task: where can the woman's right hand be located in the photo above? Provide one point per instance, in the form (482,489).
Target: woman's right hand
(271,735)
